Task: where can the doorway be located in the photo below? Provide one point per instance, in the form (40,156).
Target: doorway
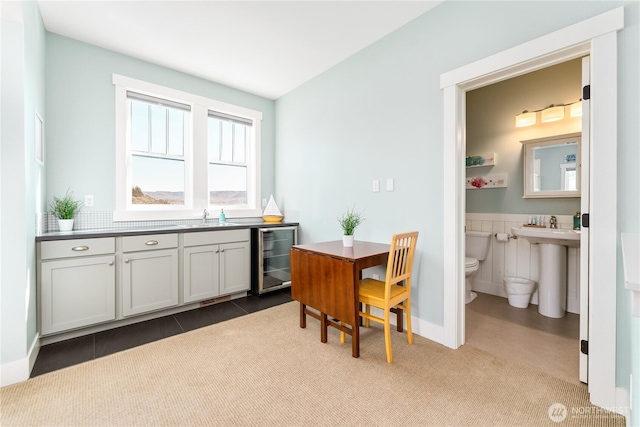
(596,37)
(491,323)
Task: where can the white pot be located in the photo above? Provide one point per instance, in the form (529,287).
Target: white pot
(65,224)
(347,241)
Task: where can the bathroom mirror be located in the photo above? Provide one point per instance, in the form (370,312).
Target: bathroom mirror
(552,166)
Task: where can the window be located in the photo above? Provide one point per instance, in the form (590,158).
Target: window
(157,134)
(228,140)
(178,153)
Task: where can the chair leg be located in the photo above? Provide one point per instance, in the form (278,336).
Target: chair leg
(343,337)
(407,310)
(367,309)
(399,318)
(387,334)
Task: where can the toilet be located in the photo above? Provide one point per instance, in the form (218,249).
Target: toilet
(476,248)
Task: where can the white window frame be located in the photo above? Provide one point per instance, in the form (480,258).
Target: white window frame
(196,158)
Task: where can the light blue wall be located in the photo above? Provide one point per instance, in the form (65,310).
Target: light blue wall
(628,328)
(379,115)
(23,57)
(81,111)
(634,346)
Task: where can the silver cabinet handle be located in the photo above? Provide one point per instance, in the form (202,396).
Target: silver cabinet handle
(221,250)
(126,260)
(80,248)
(217,250)
(151,243)
(110,262)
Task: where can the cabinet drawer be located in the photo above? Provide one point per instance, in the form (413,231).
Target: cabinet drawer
(77,247)
(149,242)
(216,237)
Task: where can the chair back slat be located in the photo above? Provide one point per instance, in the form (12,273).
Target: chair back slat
(400,261)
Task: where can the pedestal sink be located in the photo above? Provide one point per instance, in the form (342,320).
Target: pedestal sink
(552,281)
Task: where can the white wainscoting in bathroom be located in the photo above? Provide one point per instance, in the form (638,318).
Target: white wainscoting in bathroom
(518,257)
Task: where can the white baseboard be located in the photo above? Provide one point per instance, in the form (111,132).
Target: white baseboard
(33,352)
(20,370)
(420,327)
(428,330)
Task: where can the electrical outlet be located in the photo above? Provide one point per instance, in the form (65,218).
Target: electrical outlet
(88,201)
(264,203)
(376,185)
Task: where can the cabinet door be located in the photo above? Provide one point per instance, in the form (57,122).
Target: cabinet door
(149,281)
(77,292)
(235,267)
(201,272)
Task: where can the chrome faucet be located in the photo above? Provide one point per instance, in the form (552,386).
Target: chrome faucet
(553,222)
(205,215)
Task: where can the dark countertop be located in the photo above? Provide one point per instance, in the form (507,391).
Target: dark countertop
(159,229)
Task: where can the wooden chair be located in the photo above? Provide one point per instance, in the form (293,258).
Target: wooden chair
(392,294)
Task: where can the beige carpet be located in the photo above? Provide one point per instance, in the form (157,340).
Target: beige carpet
(262,369)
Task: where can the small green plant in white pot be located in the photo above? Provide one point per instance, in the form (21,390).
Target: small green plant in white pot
(349,221)
(64,208)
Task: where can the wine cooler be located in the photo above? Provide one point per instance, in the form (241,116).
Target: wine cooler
(271,268)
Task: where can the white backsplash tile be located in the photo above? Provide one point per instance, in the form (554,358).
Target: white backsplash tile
(518,257)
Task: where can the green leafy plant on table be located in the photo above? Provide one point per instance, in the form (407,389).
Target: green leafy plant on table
(350,220)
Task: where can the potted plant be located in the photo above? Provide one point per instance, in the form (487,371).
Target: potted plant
(349,221)
(64,208)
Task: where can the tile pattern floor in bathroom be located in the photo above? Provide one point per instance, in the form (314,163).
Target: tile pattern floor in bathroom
(525,336)
(77,350)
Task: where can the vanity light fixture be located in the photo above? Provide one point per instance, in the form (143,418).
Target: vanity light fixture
(576,109)
(526,118)
(552,113)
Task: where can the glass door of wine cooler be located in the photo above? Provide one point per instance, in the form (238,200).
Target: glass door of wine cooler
(274,267)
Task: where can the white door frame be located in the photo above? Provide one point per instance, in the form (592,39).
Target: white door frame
(595,37)
(585,206)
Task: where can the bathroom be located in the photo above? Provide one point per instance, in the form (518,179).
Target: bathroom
(495,204)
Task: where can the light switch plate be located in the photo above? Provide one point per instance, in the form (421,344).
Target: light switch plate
(389,184)
(88,200)
(376,185)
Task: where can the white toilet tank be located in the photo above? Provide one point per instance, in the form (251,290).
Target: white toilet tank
(477,244)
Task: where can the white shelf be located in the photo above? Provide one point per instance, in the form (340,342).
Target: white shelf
(489,181)
(481,161)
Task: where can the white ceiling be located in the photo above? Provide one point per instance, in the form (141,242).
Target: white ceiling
(263,47)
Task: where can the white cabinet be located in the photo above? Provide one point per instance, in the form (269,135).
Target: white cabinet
(76,283)
(149,273)
(216,263)
(86,282)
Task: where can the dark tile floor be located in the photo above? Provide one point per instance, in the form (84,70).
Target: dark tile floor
(77,350)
